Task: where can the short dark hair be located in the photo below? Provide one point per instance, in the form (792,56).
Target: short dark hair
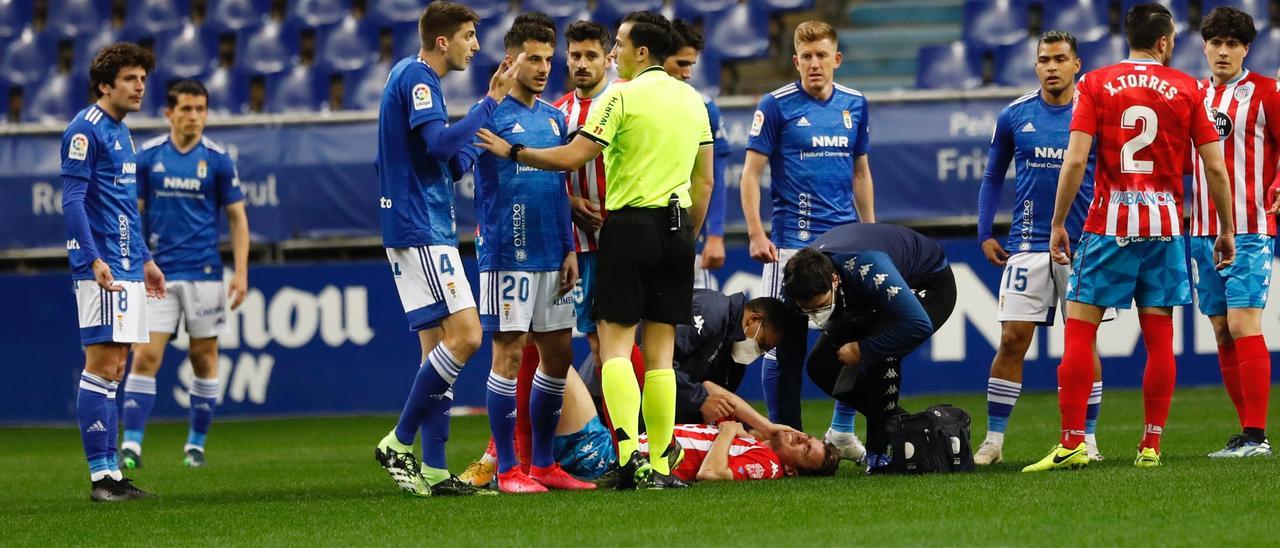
(443,18)
(1055,36)
(537,18)
(773,311)
(830,463)
(1146,24)
(184,87)
(1229,22)
(685,36)
(110,60)
(581,31)
(523,32)
(653,31)
(807,275)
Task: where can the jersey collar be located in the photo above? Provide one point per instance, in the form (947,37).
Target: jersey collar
(1236,80)
(800,86)
(1142,61)
(654,68)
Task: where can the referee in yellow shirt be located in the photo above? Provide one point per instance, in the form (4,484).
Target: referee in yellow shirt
(657,145)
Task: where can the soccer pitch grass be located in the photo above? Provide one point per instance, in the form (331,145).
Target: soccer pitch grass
(314,482)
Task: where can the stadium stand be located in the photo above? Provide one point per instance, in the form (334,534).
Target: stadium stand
(1102,52)
(740,32)
(349,45)
(1259,9)
(302,88)
(316,13)
(235,15)
(186,53)
(151,17)
(269,49)
(948,67)
(1015,64)
(556,9)
(26,58)
(14,15)
(1264,54)
(991,23)
(75,18)
(54,96)
(1086,19)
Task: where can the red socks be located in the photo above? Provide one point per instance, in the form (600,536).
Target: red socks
(1254,381)
(1159,377)
(1075,379)
(524,387)
(1230,365)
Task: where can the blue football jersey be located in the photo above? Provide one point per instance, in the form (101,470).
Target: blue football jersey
(714,223)
(523,212)
(1034,135)
(811,146)
(98,149)
(417,189)
(184,194)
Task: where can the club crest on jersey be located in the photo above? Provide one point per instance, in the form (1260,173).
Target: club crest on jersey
(757,123)
(202,169)
(848,120)
(78,149)
(1221,122)
(421,97)
(554,127)
(1243,93)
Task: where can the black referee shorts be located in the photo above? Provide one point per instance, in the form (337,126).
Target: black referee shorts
(644,270)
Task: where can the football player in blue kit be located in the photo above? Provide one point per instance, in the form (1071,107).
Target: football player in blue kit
(1033,130)
(184,180)
(420,155)
(527,268)
(813,135)
(111,269)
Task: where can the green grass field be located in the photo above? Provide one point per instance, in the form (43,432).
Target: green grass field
(314,482)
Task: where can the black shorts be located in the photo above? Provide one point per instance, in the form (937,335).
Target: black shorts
(644,270)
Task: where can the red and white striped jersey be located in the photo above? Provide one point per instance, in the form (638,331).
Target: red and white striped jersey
(1143,116)
(1246,113)
(587,181)
(749,458)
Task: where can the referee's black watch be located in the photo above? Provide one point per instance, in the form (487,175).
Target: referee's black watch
(515,149)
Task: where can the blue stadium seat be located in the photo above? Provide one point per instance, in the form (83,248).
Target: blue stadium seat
(554,8)
(706,74)
(151,17)
(1264,53)
(695,9)
(364,87)
(14,14)
(235,15)
(389,12)
(462,89)
(188,52)
(269,49)
(1086,19)
(405,40)
(1260,10)
(1100,53)
(740,32)
(73,18)
(4,101)
(949,66)
(1015,64)
(785,5)
(228,90)
(315,13)
(1188,57)
(55,99)
(27,58)
(991,23)
(88,46)
(349,45)
(610,12)
(1181,10)
(490,35)
(299,89)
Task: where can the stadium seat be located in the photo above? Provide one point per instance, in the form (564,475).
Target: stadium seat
(1188,57)
(299,89)
(269,49)
(610,12)
(696,9)
(73,18)
(1264,53)
(1181,10)
(740,32)
(1015,65)
(235,15)
(1260,10)
(54,99)
(315,13)
(151,17)
(390,12)
(1100,53)
(461,88)
(405,41)
(228,90)
(991,23)
(490,35)
(188,52)
(1086,19)
(349,45)
(364,87)
(14,14)
(706,74)
(949,66)
(785,5)
(556,9)
(27,58)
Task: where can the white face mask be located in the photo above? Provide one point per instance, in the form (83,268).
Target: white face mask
(746,351)
(820,316)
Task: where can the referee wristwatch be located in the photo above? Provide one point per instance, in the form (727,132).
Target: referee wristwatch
(515,149)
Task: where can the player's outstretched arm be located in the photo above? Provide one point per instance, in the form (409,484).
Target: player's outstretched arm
(238,226)
(744,412)
(761,248)
(1074,163)
(864,190)
(567,157)
(701,179)
(715,467)
(1215,171)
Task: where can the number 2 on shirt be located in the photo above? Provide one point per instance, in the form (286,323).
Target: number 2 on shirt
(1150,125)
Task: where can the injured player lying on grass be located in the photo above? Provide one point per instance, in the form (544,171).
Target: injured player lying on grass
(754,448)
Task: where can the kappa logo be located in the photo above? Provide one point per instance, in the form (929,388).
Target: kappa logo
(864,270)
(517,129)
(879,279)
(773,469)
(891,391)
(890,374)
(97,426)
(851,264)
(698,321)
(1028,128)
(804,122)
(893,291)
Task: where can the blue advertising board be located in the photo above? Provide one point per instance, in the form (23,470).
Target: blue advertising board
(332,339)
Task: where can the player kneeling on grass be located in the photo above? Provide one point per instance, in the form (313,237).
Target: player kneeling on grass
(184,178)
(878,291)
